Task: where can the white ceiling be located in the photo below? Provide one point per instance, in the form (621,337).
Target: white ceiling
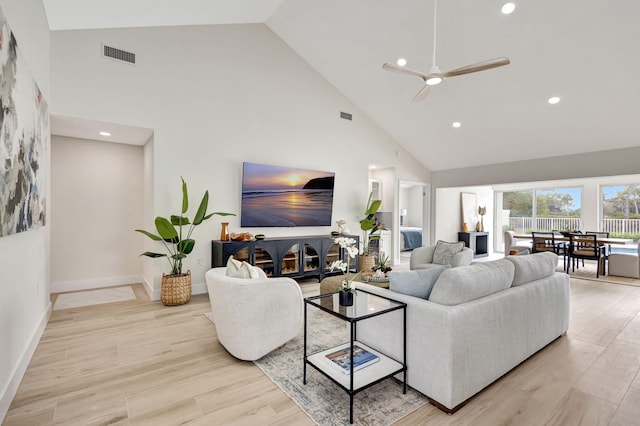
(585,52)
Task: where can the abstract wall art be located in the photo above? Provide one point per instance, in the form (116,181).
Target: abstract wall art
(24,140)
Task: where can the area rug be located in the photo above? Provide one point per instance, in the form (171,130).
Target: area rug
(321,399)
(588,272)
(93,297)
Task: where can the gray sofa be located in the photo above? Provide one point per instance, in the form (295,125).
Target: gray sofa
(479,322)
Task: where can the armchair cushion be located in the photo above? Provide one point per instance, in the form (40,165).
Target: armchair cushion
(418,283)
(445,251)
(422,258)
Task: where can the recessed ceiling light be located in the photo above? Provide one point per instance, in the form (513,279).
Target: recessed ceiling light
(105,134)
(508,8)
(553,100)
(401,62)
(456,124)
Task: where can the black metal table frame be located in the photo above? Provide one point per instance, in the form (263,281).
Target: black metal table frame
(353,322)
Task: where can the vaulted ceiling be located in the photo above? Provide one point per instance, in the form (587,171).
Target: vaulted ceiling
(583,52)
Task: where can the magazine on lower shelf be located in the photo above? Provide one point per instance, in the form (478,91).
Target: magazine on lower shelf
(361,358)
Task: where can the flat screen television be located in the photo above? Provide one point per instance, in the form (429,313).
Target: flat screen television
(284,196)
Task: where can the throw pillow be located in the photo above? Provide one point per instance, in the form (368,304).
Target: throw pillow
(417,283)
(237,269)
(445,251)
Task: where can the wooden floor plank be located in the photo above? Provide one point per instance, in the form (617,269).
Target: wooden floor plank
(139,362)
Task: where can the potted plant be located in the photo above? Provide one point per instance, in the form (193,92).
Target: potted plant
(176,286)
(346,288)
(381,265)
(369,226)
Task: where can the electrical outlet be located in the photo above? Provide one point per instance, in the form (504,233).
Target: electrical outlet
(199,261)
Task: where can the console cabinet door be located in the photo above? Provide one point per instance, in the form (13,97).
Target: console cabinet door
(289,255)
(265,256)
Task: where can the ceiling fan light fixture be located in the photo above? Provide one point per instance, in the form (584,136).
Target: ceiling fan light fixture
(456,124)
(553,100)
(401,62)
(508,8)
(433,81)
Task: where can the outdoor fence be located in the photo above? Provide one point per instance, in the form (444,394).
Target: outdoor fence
(617,226)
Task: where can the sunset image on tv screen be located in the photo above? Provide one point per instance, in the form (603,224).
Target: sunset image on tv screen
(284,196)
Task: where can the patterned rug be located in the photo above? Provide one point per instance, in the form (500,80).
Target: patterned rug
(321,399)
(588,272)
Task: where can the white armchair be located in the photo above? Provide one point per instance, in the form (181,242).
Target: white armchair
(422,258)
(511,244)
(625,264)
(254,316)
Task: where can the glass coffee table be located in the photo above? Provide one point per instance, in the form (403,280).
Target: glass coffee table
(331,361)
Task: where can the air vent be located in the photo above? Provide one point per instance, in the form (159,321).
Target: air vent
(346,115)
(118,54)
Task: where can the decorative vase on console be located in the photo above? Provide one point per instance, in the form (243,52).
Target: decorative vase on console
(224,233)
(347,288)
(481,211)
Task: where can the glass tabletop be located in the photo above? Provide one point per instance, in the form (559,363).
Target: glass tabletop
(365,305)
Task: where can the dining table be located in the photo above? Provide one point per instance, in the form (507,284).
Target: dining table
(560,237)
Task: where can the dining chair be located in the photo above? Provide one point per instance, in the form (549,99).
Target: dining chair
(601,234)
(546,241)
(586,246)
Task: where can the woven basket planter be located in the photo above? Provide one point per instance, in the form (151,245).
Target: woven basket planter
(367,262)
(176,289)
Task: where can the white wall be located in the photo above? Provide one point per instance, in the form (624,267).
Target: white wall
(448,211)
(215,97)
(97,201)
(24,282)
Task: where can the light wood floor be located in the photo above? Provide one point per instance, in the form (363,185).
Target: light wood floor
(139,362)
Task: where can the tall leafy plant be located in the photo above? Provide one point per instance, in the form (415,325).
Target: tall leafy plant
(178,242)
(368,225)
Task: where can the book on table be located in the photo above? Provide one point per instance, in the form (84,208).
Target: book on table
(361,358)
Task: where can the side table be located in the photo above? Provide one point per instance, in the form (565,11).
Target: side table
(366,305)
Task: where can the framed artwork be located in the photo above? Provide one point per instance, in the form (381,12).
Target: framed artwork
(469,203)
(24,137)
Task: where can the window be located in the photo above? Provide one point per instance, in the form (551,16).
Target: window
(542,209)
(621,210)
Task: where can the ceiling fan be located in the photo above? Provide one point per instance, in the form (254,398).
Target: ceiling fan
(435,76)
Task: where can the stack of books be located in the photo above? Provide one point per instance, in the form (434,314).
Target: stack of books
(362,358)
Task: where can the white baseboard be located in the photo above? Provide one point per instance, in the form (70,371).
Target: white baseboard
(18,372)
(90,284)
(154,294)
(197,288)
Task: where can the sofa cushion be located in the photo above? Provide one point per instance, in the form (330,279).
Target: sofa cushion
(417,283)
(533,267)
(238,269)
(445,251)
(460,285)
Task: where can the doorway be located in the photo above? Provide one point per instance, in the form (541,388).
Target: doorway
(413,215)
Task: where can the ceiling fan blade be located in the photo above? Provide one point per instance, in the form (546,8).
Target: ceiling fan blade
(480,66)
(404,70)
(422,93)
